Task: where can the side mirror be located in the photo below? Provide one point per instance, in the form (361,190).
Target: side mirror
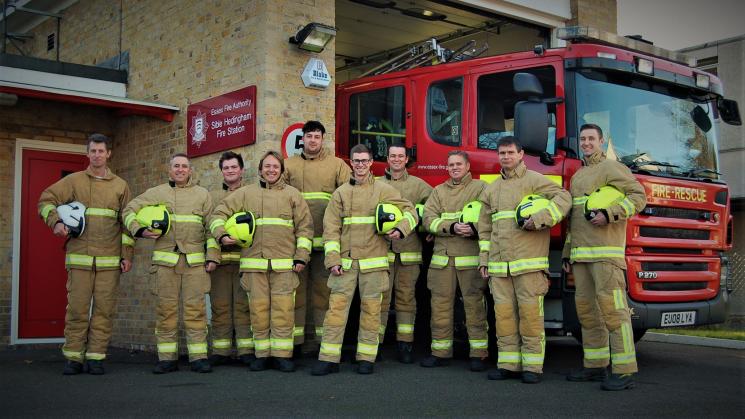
(531,126)
(701,118)
(729,111)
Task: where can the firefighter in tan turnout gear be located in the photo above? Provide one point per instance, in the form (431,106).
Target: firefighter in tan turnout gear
(228,300)
(270,266)
(594,253)
(358,256)
(316,172)
(179,271)
(404,256)
(94,258)
(514,256)
(455,263)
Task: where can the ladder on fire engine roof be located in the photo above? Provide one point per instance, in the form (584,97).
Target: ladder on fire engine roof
(427,53)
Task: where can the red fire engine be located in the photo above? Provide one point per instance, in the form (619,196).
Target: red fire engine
(660,117)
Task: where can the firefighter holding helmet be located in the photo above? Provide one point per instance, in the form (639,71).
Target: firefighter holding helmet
(518,210)
(86,208)
(279,249)
(595,253)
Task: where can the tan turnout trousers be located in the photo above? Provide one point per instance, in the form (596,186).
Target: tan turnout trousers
(313,296)
(230,314)
(271,298)
(402,284)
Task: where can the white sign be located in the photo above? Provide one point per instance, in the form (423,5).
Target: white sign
(316,75)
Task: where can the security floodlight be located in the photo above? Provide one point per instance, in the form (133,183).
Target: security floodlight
(313,37)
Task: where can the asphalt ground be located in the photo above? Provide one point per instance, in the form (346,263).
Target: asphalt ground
(675,381)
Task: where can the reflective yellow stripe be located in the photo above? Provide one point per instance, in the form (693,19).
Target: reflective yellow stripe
(255,263)
(358,220)
(540,305)
(262,344)
(391,257)
(501,215)
(73,259)
(330,348)
(244,343)
(373,263)
(439,260)
(629,353)
(367,349)
(168,348)
(95,356)
(304,243)
(596,353)
(498,268)
(405,329)
(536,359)
(212,244)
(108,261)
(331,246)
(46,210)
(585,253)
(411,257)
(129,219)
(579,200)
(619,299)
(381,330)
(412,220)
(555,178)
(197,348)
(216,223)
(346,263)
(522,265)
(435,224)
(319,331)
(489,177)
(484,245)
(466,261)
(127,241)
(102,212)
(451,215)
(478,343)
(441,344)
(72,354)
(221,343)
(555,213)
(508,357)
(317,195)
(274,222)
(628,207)
(282,344)
(230,257)
(281,264)
(195,258)
(182,218)
(298,331)
(318,242)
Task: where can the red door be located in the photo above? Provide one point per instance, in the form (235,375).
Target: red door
(42,295)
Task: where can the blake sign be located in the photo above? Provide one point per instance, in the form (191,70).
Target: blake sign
(221,123)
(315,74)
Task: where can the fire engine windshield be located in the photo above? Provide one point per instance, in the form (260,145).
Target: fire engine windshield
(648,125)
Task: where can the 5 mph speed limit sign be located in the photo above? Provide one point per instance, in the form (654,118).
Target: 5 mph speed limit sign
(292,140)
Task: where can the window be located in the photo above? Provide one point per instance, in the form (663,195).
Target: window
(496,106)
(445,110)
(376,118)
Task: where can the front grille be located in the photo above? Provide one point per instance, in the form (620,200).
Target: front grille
(681,213)
(673,286)
(674,233)
(671,250)
(675,266)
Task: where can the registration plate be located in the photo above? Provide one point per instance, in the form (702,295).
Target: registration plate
(678,318)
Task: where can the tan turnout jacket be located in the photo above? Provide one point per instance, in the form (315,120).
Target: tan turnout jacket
(229,255)
(416,191)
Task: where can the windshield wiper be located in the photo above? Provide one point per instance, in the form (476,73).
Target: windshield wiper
(696,172)
(639,163)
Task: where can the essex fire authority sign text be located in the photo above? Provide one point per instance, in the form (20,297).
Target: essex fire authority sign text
(221,123)
(316,75)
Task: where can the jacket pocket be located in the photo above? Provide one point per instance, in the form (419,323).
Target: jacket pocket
(153,278)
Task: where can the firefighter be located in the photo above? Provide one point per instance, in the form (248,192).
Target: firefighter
(404,256)
(280,250)
(517,212)
(180,267)
(594,253)
(357,256)
(316,172)
(228,301)
(455,263)
(95,258)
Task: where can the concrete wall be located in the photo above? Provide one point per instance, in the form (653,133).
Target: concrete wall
(599,14)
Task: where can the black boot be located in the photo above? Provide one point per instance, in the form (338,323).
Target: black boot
(324,368)
(365,367)
(618,382)
(503,374)
(72,368)
(588,374)
(530,377)
(164,367)
(259,364)
(405,350)
(476,365)
(434,361)
(201,366)
(94,366)
(285,364)
(216,360)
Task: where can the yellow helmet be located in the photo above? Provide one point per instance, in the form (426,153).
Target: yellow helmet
(470,213)
(241,226)
(387,217)
(420,213)
(156,218)
(529,205)
(601,199)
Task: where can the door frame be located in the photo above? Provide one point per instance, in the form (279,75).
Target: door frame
(21,145)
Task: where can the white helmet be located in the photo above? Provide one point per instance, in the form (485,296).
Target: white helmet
(72,216)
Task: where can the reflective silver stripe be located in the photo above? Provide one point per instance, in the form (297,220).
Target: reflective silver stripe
(195,258)
(435,224)
(72,354)
(358,220)
(230,257)
(281,344)
(439,260)
(391,257)
(168,347)
(262,344)
(372,263)
(304,243)
(281,264)
(331,246)
(181,218)
(367,349)
(478,343)
(317,195)
(555,213)
(108,261)
(78,260)
(127,241)
(221,343)
(346,263)
(582,253)
(330,348)
(411,257)
(628,207)
(318,242)
(502,215)
(255,263)
(451,215)
(129,219)
(167,257)
(466,261)
(212,244)
(521,265)
(216,223)
(441,344)
(498,268)
(508,357)
(412,220)
(244,343)
(405,329)
(95,356)
(579,200)
(102,212)
(274,222)
(597,353)
(484,245)
(197,348)
(298,331)
(619,299)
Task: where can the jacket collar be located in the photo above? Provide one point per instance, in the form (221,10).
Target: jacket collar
(320,156)
(225,187)
(464,181)
(189,183)
(518,171)
(594,158)
(109,174)
(401,179)
(280,184)
(369,181)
